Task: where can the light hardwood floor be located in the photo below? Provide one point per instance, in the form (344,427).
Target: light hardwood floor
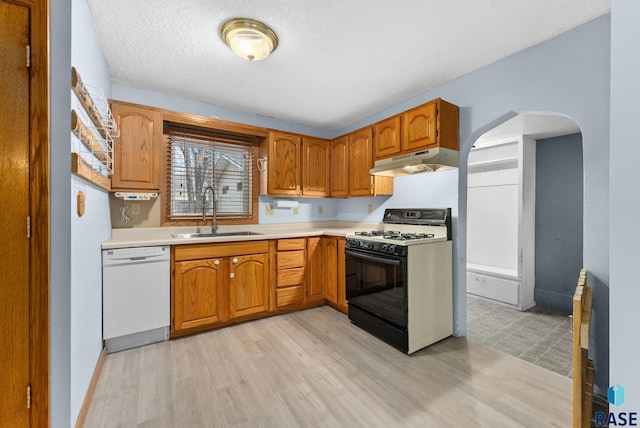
(315,369)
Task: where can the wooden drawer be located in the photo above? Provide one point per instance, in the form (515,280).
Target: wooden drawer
(290,296)
(215,250)
(289,277)
(290,259)
(291,244)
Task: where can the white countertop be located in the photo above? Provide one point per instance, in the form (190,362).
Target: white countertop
(154,236)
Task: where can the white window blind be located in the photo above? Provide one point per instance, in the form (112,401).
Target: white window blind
(199,162)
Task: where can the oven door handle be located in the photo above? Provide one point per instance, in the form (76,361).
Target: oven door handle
(369,257)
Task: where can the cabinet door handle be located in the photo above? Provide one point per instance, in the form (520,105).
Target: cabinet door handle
(235,261)
(232,275)
(216,262)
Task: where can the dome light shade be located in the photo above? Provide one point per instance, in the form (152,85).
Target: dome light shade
(250,39)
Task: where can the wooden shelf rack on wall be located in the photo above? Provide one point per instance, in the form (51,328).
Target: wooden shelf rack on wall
(93,160)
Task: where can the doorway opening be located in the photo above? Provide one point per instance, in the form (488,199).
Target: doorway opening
(524,237)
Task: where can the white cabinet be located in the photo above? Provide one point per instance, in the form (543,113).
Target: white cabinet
(501,221)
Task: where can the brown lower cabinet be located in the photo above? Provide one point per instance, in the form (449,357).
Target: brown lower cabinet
(316,267)
(198,294)
(290,272)
(335,269)
(326,270)
(214,285)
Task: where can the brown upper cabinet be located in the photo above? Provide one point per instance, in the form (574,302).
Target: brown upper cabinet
(387,137)
(434,124)
(351,160)
(316,164)
(339,167)
(297,165)
(360,162)
(283,164)
(137,152)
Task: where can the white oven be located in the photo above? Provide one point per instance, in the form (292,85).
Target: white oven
(398,280)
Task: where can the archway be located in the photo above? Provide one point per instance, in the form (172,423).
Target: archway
(524,236)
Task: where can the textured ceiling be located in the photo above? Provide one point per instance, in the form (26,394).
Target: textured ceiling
(337,61)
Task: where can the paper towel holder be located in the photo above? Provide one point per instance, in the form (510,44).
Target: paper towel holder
(283,203)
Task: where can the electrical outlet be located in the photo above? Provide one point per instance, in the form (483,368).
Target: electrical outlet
(370,209)
(319,209)
(135,208)
(268,209)
(296,211)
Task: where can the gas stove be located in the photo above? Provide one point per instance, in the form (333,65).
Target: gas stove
(404,227)
(399,279)
(395,235)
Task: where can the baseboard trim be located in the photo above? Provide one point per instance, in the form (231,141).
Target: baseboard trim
(84,410)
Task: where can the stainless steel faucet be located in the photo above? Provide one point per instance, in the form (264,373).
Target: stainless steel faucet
(214,221)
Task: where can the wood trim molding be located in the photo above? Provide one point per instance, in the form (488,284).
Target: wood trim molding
(210,123)
(40,259)
(204,121)
(165,219)
(84,410)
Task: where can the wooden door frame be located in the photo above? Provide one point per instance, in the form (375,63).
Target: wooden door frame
(39,177)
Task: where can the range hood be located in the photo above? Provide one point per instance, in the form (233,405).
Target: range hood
(436,159)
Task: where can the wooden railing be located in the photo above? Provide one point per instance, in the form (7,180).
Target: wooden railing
(582,365)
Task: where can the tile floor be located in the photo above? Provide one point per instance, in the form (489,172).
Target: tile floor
(540,336)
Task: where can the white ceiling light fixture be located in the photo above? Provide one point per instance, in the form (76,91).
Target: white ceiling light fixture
(250,39)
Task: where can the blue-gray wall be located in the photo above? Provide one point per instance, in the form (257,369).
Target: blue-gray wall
(568,75)
(625,200)
(76,279)
(60,229)
(94,227)
(169,102)
(558,220)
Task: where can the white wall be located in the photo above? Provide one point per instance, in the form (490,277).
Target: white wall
(625,200)
(493,202)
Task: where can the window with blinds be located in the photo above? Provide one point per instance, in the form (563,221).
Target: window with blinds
(198,162)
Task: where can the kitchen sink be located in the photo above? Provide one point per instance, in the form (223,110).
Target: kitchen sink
(213,235)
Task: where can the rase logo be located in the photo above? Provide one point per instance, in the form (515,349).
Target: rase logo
(615,396)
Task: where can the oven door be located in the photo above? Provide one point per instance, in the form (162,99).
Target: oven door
(376,284)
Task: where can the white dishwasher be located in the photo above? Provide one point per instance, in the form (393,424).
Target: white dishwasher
(135,296)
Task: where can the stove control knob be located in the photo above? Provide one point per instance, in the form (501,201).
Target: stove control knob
(384,247)
(391,249)
(368,245)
